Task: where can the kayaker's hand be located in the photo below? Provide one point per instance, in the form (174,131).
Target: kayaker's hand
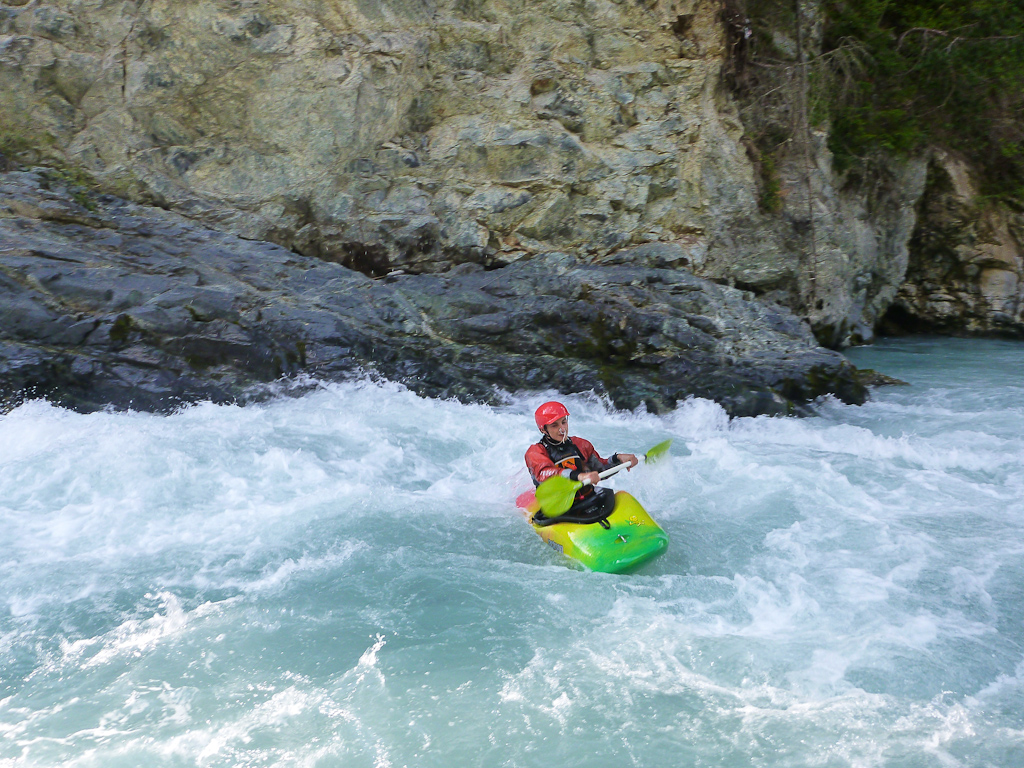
(629,458)
(591,478)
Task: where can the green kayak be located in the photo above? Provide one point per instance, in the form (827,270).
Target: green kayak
(621,542)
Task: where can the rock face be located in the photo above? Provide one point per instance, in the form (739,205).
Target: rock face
(400,134)
(966,275)
(425,137)
(841,247)
(422,134)
(107,302)
(837,251)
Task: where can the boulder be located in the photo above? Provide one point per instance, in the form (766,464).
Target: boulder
(104,302)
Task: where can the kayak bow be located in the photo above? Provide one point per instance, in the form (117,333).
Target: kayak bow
(622,542)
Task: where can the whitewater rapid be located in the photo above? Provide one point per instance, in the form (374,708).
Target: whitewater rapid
(342,579)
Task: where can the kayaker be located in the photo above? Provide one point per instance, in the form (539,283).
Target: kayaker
(572,457)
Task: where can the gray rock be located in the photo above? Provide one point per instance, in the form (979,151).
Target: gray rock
(148,310)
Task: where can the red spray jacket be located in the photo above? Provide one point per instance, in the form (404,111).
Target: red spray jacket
(569,459)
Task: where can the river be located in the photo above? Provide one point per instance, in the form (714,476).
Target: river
(341,579)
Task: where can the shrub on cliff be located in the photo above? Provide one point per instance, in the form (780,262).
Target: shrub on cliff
(934,73)
(886,76)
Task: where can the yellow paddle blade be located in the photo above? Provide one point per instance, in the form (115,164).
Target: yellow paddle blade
(556,494)
(657,451)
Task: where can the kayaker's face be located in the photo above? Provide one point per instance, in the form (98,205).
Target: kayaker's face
(558,430)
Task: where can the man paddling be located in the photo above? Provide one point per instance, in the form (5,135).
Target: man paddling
(571,457)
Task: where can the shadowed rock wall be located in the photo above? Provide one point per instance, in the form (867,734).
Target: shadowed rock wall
(966,272)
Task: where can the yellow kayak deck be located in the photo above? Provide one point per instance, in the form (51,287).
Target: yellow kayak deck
(631,539)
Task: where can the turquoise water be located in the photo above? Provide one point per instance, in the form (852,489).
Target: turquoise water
(343,580)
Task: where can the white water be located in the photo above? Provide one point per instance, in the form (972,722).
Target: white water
(342,580)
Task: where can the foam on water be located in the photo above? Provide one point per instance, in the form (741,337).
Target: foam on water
(342,579)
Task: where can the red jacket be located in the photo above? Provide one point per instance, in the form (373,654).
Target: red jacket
(548,458)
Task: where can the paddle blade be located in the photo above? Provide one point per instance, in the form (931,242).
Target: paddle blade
(657,451)
(556,494)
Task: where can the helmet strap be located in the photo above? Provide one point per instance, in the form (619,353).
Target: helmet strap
(547,434)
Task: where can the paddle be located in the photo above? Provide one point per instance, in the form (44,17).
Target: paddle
(556,494)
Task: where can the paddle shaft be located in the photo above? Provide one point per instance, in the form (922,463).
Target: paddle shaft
(607,472)
(617,468)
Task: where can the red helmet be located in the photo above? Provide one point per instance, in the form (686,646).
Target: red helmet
(548,413)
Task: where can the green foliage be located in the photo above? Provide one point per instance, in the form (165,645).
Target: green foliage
(121,328)
(889,77)
(21,148)
(19,142)
(13,142)
(78,182)
(771,185)
(933,73)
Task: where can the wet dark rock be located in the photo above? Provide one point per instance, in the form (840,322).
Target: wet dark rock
(872,378)
(121,305)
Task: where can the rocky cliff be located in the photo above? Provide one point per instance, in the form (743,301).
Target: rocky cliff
(415,136)
(404,134)
(912,241)
(966,269)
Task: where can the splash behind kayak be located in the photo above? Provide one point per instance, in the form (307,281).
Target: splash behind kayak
(630,539)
